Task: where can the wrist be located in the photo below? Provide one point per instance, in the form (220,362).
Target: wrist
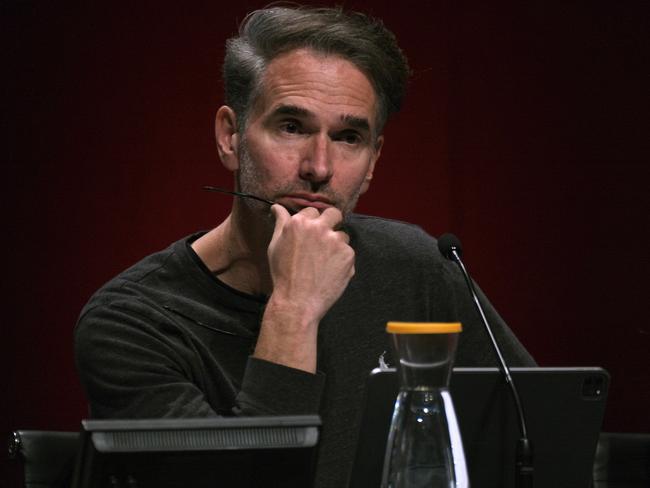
(291,314)
(288,336)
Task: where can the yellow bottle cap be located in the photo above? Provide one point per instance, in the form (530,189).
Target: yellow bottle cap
(423,327)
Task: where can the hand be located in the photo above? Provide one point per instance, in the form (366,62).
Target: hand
(310,261)
(311,264)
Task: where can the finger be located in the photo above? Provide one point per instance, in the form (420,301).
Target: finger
(344,236)
(310,212)
(281,217)
(332,216)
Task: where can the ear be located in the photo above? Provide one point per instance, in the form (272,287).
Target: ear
(227,135)
(371,167)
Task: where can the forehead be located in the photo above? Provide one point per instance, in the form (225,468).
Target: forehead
(327,85)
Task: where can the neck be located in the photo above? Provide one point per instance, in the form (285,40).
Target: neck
(236,250)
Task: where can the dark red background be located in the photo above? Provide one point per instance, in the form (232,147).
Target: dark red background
(525,132)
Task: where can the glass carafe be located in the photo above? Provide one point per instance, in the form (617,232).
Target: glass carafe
(424,446)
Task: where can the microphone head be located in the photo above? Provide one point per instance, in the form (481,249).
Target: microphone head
(447,243)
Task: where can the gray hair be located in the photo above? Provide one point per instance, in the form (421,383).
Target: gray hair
(362,40)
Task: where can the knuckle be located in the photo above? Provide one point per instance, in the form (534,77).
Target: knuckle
(350,254)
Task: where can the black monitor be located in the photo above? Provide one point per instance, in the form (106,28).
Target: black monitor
(238,452)
(564,408)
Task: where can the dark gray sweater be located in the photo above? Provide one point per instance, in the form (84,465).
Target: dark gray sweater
(167,339)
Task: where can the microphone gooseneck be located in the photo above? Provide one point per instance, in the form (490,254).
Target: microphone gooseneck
(450,247)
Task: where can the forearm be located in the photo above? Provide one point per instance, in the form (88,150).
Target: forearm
(132,368)
(288,335)
(311,265)
(273,389)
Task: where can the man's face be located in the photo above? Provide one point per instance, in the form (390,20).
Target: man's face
(311,137)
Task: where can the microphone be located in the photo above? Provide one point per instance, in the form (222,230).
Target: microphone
(450,247)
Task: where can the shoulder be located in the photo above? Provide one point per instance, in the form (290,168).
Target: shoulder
(392,238)
(146,282)
(396,231)
(401,249)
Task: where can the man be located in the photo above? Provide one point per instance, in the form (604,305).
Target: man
(282,310)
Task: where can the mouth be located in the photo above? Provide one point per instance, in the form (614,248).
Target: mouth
(293,202)
(303,200)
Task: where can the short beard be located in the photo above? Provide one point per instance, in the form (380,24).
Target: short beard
(250,180)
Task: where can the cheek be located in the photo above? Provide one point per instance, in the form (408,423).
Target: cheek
(275,174)
(348,182)
(354,170)
(274,161)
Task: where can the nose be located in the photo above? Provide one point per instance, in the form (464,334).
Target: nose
(316,164)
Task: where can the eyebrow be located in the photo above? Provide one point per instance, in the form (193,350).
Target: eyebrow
(292,110)
(360,123)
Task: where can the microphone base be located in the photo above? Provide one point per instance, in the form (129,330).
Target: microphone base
(524,468)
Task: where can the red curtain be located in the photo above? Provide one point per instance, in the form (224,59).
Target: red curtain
(524,132)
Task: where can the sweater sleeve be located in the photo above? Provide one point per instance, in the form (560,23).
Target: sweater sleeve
(139,363)
(130,368)
(273,389)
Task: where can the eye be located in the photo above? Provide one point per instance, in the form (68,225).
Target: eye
(350,137)
(290,127)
